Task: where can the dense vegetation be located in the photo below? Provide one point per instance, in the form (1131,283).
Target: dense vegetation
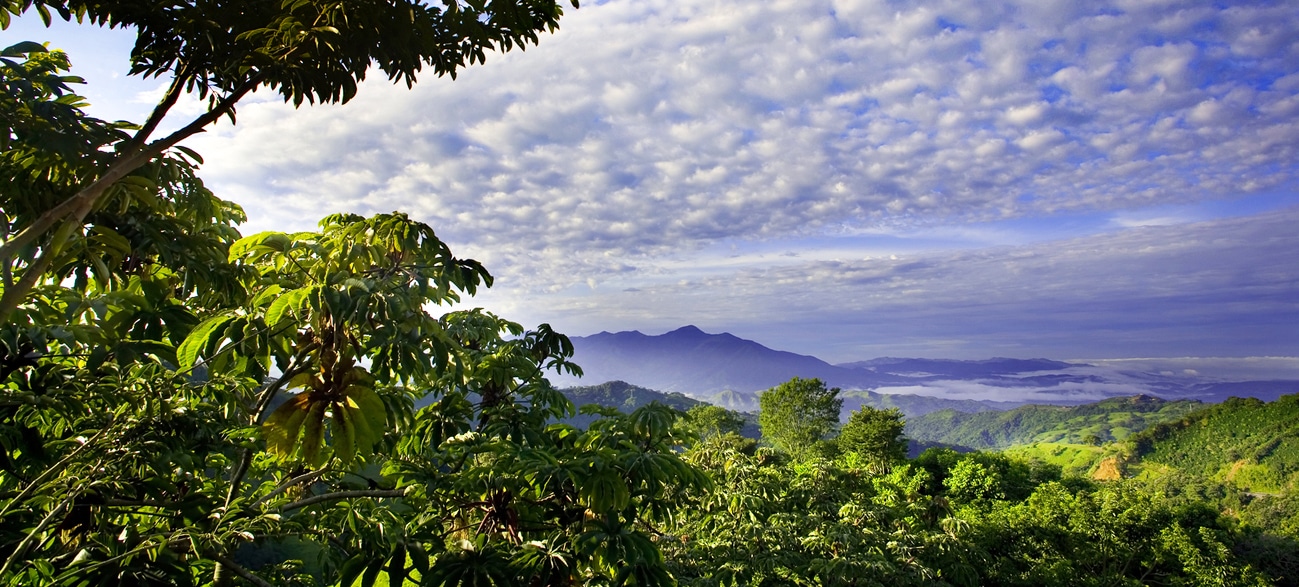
(1032,515)
(1093,424)
(1246,442)
(184,405)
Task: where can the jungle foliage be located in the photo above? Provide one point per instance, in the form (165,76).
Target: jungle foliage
(948,518)
(181,404)
(185,405)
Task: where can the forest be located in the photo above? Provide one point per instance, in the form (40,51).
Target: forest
(186,405)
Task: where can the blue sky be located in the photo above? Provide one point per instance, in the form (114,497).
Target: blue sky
(843,178)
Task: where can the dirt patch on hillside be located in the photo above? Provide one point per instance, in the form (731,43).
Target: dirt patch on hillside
(1109,469)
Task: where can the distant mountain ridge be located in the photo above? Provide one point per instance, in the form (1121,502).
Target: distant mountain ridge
(729,370)
(691,361)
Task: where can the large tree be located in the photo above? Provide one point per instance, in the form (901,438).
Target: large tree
(797,415)
(875,434)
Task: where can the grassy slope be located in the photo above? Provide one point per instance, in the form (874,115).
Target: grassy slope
(1074,460)
(1243,442)
(1104,421)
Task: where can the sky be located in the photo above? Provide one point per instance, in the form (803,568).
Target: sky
(843,178)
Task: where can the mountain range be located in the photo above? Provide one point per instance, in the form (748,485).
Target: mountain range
(729,370)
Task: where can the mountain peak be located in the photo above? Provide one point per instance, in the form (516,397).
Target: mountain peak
(688,330)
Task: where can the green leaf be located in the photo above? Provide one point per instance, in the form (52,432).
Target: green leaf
(23,48)
(351,570)
(291,301)
(605,491)
(200,338)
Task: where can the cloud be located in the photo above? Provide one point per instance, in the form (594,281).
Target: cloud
(1219,288)
(645,127)
(603,174)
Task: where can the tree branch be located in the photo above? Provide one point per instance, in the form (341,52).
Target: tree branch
(58,467)
(340,495)
(21,549)
(303,478)
(237,479)
(74,209)
(161,110)
(295,367)
(243,573)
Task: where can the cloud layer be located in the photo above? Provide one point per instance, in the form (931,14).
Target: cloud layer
(649,165)
(649,125)
(1220,288)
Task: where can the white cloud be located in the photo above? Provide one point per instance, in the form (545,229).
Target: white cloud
(1209,289)
(623,149)
(676,123)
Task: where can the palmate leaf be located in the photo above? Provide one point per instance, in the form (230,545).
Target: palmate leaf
(313,434)
(475,565)
(283,426)
(293,301)
(201,338)
(343,432)
(257,246)
(604,491)
(371,406)
(363,436)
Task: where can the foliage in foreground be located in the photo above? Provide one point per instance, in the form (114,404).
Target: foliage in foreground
(180,405)
(405,443)
(944,519)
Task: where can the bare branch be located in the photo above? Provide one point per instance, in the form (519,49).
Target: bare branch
(162,109)
(303,478)
(340,495)
(243,573)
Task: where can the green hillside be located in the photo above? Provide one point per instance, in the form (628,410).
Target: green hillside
(1090,424)
(912,406)
(1074,460)
(625,397)
(1246,443)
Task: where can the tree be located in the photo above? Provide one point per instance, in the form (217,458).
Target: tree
(797,415)
(875,434)
(707,420)
(307,50)
(181,405)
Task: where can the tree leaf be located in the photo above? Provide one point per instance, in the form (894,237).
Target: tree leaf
(200,339)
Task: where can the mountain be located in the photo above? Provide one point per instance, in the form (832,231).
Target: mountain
(727,370)
(1249,443)
(626,397)
(696,363)
(691,361)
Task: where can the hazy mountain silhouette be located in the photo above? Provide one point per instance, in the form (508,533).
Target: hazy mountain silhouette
(691,361)
(729,370)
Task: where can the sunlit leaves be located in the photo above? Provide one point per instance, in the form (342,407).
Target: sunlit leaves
(355,422)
